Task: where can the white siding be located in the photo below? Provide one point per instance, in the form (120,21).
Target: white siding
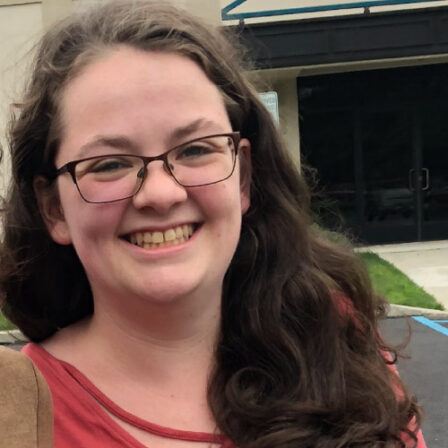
(209,9)
(278,5)
(20,27)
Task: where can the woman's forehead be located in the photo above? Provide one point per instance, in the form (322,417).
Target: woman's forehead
(143,94)
(130,74)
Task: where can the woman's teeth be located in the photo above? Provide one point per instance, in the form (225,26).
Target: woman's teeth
(168,237)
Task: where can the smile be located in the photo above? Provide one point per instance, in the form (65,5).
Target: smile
(162,238)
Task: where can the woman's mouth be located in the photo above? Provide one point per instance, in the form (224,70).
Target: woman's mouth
(162,238)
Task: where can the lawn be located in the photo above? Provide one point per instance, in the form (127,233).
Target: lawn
(391,283)
(5,324)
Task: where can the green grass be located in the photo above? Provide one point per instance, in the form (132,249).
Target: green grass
(396,287)
(5,324)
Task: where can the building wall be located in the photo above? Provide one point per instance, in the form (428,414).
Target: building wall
(209,9)
(53,10)
(20,27)
(286,87)
(250,6)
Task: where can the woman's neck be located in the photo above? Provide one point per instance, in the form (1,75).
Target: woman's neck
(153,361)
(142,338)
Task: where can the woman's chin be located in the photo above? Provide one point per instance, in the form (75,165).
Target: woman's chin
(168,294)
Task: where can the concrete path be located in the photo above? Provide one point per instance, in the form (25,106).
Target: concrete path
(425,263)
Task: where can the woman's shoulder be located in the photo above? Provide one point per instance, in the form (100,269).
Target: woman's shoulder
(60,347)
(26,402)
(48,363)
(38,356)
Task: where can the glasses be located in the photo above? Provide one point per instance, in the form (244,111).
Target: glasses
(114,177)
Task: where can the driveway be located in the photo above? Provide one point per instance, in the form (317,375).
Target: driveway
(425,371)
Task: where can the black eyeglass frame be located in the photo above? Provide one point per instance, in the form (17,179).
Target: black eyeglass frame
(70,167)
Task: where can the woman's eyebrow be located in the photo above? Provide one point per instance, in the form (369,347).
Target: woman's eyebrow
(184,131)
(113,141)
(122,142)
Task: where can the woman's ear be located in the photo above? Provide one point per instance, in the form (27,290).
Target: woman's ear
(245,173)
(51,210)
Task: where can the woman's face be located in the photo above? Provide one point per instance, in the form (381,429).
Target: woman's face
(134,102)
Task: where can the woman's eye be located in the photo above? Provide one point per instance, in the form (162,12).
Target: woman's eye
(108,165)
(194,151)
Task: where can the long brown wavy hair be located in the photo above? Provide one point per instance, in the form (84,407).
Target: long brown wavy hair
(299,362)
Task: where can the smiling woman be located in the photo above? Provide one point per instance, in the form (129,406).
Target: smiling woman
(159,253)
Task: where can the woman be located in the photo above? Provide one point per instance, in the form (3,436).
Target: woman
(158,252)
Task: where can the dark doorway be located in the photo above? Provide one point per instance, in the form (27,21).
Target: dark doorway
(379,142)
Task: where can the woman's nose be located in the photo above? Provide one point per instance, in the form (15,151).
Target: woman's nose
(159,189)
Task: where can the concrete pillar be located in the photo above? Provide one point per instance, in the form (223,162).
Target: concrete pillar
(53,10)
(20,28)
(286,89)
(207,9)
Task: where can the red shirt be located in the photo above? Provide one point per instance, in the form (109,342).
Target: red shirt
(80,419)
